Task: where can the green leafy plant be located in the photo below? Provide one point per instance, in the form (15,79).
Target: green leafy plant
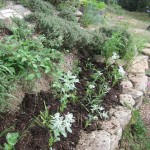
(135,136)
(6,78)
(67,12)
(97,4)
(12,139)
(96,113)
(57,124)
(120,42)
(116,74)
(102,88)
(54,28)
(91,15)
(65,88)
(26,55)
(96,88)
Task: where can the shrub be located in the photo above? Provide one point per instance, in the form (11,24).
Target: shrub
(67,12)
(120,42)
(91,15)
(38,5)
(65,34)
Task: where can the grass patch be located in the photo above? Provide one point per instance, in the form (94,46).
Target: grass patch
(139,16)
(2,3)
(135,136)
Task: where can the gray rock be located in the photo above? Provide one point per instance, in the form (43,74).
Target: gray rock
(127,100)
(138,103)
(97,140)
(21,10)
(147,45)
(126,84)
(120,62)
(115,138)
(139,81)
(78,13)
(146,51)
(8,13)
(112,111)
(139,65)
(123,115)
(112,126)
(133,92)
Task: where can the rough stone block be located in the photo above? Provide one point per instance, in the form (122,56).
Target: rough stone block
(146,51)
(127,100)
(123,115)
(134,93)
(139,65)
(21,10)
(139,81)
(97,140)
(147,45)
(126,84)
(8,13)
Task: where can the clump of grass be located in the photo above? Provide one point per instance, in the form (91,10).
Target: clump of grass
(5,79)
(135,136)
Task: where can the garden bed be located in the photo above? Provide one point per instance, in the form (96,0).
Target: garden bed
(34,137)
(84,69)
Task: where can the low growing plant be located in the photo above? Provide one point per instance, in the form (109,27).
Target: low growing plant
(6,78)
(120,42)
(25,55)
(58,125)
(64,88)
(12,139)
(91,16)
(67,12)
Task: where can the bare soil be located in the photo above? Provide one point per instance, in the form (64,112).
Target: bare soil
(34,137)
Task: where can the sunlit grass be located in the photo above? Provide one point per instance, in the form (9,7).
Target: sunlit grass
(2,3)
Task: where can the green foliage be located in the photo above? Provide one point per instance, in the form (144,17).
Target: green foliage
(26,55)
(38,5)
(133,5)
(96,88)
(95,3)
(23,56)
(2,3)
(135,136)
(56,2)
(115,8)
(54,28)
(67,12)
(91,15)
(64,88)
(57,125)
(6,78)
(12,139)
(121,43)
